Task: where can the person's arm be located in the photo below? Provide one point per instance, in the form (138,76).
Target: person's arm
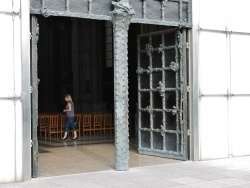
(69,108)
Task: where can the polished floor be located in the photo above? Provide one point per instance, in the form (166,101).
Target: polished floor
(88,154)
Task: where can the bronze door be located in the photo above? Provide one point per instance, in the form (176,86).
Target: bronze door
(162,94)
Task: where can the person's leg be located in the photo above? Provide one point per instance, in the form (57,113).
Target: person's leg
(74,128)
(75,135)
(65,135)
(66,128)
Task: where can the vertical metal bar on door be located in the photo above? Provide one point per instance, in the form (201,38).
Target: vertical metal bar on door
(139,93)
(177,94)
(163,96)
(184,100)
(151,93)
(180,43)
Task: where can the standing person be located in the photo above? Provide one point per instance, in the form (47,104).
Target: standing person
(70,112)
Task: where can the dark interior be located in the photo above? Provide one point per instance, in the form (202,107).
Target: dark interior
(72,58)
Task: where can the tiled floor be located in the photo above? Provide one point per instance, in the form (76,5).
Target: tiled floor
(87,155)
(222,173)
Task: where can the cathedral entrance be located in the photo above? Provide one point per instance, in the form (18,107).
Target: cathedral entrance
(75,56)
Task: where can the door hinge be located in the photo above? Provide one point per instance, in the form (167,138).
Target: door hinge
(187,45)
(188,89)
(31,143)
(31,89)
(188,132)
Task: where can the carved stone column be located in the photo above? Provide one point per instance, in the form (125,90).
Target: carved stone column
(121,19)
(34,98)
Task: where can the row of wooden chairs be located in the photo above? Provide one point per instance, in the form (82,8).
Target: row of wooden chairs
(96,123)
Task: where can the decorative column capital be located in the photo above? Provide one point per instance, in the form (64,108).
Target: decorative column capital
(122,7)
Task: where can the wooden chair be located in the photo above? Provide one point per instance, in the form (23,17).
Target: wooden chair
(61,124)
(108,123)
(86,124)
(97,123)
(43,124)
(78,118)
(53,126)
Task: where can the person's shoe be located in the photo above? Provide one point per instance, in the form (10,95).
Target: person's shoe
(64,138)
(74,138)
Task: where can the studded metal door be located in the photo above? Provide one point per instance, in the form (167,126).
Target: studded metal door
(162,94)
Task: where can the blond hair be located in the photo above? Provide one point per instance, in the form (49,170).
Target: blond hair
(68,98)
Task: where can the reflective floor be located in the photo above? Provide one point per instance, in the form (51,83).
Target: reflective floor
(88,154)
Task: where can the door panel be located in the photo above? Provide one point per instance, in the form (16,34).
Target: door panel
(6,6)
(224,96)
(6,73)
(213,63)
(12,95)
(240,66)
(162,95)
(213,127)
(239,100)
(239,124)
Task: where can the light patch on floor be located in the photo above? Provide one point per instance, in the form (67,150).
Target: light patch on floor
(75,158)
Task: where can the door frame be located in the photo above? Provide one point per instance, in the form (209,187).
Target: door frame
(34,95)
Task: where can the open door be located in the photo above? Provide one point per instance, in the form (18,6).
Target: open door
(162,95)
(34,95)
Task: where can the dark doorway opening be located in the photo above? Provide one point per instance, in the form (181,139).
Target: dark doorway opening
(71,59)
(75,56)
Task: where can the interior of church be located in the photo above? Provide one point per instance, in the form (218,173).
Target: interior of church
(75,56)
